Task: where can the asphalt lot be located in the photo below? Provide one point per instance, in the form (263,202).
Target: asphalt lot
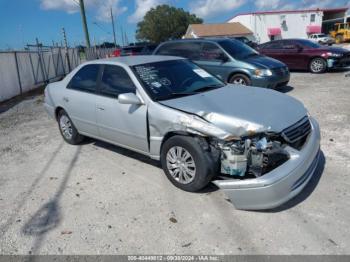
(100,199)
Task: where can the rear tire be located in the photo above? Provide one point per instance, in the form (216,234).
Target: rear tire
(318,65)
(67,129)
(186,164)
(240,79)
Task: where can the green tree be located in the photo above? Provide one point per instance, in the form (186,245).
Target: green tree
(165,23)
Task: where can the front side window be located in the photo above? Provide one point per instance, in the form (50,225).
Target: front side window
(211,51)
(115,81)
(175,78)
(289,45)
(85,79)
(237,49)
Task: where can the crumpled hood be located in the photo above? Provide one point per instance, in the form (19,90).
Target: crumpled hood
(243,110)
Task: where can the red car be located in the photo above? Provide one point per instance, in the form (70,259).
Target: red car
(302,54)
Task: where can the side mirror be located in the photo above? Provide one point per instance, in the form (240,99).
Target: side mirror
(129,98)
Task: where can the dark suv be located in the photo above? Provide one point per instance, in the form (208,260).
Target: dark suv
(231,60)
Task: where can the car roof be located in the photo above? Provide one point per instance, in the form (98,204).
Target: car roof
(213,39)
(135,60)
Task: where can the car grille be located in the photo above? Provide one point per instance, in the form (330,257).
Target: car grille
(297,131)
(281,71)
(345,59)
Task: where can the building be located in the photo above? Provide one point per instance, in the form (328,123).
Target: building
(272,25)
(218,30)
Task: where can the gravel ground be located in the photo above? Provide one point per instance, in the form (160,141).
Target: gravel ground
(100,199)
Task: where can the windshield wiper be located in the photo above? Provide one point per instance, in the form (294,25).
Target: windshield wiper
(173,95)
(206,88)
(194,92)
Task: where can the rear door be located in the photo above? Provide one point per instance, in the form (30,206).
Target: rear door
(121,124)
(80,98)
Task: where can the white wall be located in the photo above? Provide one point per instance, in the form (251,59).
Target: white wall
(30,71)
(295,27)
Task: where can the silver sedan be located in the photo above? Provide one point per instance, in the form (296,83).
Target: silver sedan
(260,146)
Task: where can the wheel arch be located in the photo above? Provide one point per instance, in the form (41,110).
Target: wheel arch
(57,110)
(238,73)
(171,134)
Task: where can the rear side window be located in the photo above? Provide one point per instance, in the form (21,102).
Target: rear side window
(190,50)
(85,79)
(273,45)
(116,81)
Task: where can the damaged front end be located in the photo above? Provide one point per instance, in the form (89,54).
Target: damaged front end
(262,170)
(240,156)
(267,170)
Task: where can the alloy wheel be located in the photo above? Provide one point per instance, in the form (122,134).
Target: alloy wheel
(66,127)
(239,81)
(317,65)
(181,165)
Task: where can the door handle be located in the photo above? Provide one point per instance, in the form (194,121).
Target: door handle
(65,99)
(100,108)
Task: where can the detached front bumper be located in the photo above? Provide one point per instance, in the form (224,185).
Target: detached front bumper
(281,184)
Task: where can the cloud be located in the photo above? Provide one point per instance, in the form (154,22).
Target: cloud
(271,4)
(104,11)
(100,7)
(303,4)
(210,8)
(70,6)
(142,7)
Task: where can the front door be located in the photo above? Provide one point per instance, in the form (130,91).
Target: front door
(293,55)
(121,124)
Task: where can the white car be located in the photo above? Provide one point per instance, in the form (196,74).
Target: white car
(322,39)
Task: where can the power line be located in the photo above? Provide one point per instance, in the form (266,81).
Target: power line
(99,26)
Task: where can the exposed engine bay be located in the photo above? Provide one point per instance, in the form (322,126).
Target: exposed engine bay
(252,157)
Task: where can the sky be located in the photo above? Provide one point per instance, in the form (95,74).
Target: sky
(21,21)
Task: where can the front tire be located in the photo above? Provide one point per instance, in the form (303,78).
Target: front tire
(339,39)
(318,65)
(240,79)
(67,129)
(186,164)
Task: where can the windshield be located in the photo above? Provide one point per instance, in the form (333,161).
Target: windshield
(237,49)
(307,43)
(174,78)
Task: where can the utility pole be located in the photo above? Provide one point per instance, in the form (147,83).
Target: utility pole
(112,19)
(83,18)
(66,48)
